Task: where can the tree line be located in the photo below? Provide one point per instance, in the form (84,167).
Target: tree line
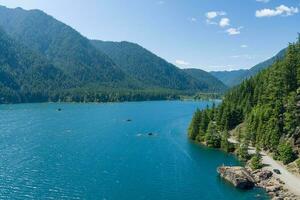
(265,106)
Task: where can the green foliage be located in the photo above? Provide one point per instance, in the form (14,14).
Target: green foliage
(42,59)
(225,144)
(212,137)
(212,83)
(193,130)
(154,71)
(267,105)
(255,162)
(285,153)
(236,77)
(298,163)
(242,152)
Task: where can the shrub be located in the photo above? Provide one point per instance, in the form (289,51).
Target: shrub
(285,153)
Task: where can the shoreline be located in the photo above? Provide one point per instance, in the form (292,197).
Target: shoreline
(110,102)
(289,182)
(283,186)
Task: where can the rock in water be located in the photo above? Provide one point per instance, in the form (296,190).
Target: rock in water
(238,176)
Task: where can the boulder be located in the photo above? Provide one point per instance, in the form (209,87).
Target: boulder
(238,176)
(265,174)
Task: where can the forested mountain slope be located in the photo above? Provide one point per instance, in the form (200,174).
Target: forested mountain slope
(233,78)
(267,105)
(25,75)
(214,84)
(62,45)
(228,77)
(148,68)
(43,59)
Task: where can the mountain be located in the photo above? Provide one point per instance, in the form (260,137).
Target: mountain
(263,111)
(233,78)
(70,67)
(26,75)
(228,77)
(61,45)
(150,69)
(213,83)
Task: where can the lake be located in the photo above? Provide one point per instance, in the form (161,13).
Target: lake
(104,151)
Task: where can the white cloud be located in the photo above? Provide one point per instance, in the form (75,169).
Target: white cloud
(224,22)
(234,31)
(244,46)
(244,56)
(214,14)
(221,68)
(192,19)
(263,1)
(182,62)
(278,11)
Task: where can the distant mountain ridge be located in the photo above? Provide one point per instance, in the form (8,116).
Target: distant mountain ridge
(232,78)
(228,77)
(84,70)
(152,70)
(213,83)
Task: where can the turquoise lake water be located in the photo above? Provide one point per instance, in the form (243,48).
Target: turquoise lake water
(90,151)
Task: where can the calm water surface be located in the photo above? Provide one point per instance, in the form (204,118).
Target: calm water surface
(90,151)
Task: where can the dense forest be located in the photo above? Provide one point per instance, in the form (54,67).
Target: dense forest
(263,111)
(43,59)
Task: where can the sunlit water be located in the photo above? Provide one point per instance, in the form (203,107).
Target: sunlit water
(90,151)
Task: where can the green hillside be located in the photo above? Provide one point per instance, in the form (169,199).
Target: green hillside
(214,85)
(228,77)
(235,77)
(150,69)
(266,107)
(25,75)
(46,60)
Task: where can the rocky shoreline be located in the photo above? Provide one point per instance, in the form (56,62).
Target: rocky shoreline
(245,178)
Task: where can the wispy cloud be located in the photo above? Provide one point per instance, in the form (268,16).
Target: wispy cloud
(281,10)
(224,22)
(244,46)
(214,14)
(160,2)
(234,31)
(215,18)
(192,19)
(210,16)
(245,56)
(263,1)
(221,68)
(182,62)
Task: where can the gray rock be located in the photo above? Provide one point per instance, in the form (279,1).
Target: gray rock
(265,174)
(238,176)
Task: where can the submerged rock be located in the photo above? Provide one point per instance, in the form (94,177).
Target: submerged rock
(238,176)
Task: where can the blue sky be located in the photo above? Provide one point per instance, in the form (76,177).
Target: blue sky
(206,34)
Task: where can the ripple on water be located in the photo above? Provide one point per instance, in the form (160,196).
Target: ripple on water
(88,151)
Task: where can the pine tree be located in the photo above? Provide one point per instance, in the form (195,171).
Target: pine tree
(212,137)
(285,152)
(194,125)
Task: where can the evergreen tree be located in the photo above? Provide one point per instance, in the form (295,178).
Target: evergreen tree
(256,161)
(212,137)
(242,152)
(285,152)
(194,125)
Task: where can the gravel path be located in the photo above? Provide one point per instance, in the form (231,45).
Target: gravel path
(292,181)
